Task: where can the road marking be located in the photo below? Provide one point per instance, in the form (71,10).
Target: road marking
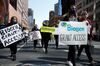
(21,47)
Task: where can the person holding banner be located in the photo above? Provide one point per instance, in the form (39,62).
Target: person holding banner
(72,48)
(84,18)
(35,28)
(13,47)
(26,34)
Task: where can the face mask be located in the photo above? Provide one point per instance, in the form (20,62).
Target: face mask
(14,20)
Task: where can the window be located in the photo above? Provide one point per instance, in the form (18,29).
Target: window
(14,4)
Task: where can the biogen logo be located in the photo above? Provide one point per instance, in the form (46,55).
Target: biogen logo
(72,28)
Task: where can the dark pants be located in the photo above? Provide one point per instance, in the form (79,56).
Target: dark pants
(56,40)
(13,48)
(45,44)
(71,54)
(35,43)
(87,51)
(45,40)
(25,39)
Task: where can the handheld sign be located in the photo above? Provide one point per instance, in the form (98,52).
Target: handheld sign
(47,29)
(72,33)
(11,34)
(36,35)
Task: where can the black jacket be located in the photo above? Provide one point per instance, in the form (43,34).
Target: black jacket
(1,27)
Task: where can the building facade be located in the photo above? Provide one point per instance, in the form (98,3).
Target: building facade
(3,7)
(59,8)
(18,8)
(93,8)
(4,10)
(31,18)
(56,6)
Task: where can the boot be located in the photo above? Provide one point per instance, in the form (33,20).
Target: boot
(46,51)
(13,57)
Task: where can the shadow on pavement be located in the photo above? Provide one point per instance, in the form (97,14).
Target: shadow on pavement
(53,59)
(28,50)
(4,57)
(38,62)
(85,62)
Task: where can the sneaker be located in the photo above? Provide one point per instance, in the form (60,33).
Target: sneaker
(10,55)
(46,51)
(13,57)
(69,63)
(92,62)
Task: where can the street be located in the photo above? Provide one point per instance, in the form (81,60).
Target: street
(71,21)
(27,56)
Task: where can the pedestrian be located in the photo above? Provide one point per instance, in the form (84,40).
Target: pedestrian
(89,23)
(45,37)
(35,28)
(26,34)
(72,48)
(54,21)
(13,47)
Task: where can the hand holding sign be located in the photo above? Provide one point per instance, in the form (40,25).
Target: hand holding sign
(72,33)
(11,34)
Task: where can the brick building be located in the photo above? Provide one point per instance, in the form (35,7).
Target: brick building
(18,8)
(93,8)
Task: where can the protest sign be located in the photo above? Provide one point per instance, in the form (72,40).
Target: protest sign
(36,35)
(11,34)
(47,29)
(72,33)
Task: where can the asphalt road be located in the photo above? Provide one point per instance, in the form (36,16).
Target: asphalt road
(27,56)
